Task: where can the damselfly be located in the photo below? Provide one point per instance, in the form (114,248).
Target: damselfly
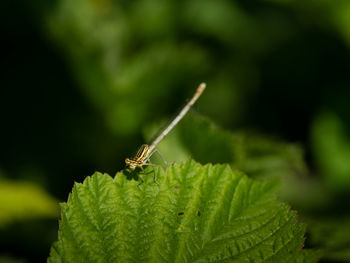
(145,152)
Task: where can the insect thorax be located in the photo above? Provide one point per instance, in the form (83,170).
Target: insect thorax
(142,153)
(140,158)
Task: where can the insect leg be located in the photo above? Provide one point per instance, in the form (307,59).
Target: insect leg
(141,178)
(161,156)
(155,171)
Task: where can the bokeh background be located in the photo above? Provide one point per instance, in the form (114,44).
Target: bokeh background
(86,82)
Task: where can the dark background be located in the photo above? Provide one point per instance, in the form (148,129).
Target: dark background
(80,81)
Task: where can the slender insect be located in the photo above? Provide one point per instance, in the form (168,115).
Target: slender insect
(145,152)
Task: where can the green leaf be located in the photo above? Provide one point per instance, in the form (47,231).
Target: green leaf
(194,214)
(257,156)
(331,148)
(24,200)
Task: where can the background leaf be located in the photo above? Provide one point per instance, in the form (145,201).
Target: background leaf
(331,147)
(196,214)
(24,200)
(332,234)
(259,157)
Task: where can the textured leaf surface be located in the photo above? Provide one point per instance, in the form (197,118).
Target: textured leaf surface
(24,200)
(196,214)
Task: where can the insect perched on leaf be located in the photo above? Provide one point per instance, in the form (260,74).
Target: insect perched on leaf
(145,152)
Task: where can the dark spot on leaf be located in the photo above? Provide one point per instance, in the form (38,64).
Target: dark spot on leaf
(199,213)
(176,187)
(180,213)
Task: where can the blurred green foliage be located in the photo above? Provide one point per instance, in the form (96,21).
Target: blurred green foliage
(7,259)
(23,201)
(331,148)
(83,80)
(332,235)
(143,51)
(129,56)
